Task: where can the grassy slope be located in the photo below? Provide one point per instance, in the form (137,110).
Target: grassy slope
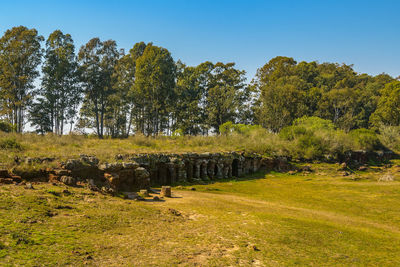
(317,219)
(71,146)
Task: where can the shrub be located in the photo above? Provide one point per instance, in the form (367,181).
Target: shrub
(365,139)
(390,136)
(177,133)
(10,143)
(226,128)
(6,127)
(314,138)
(314,123)
(291,132)
(311,146)
(229,128)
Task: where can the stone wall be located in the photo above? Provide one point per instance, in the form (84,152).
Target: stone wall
(165,169)
(140,171)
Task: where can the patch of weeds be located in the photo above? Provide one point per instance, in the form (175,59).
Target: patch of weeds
(10,143)
(174,212)
(55,193)
(3,251)
(50,213)
(21,239)
(66,207)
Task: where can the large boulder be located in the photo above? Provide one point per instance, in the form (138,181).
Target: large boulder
(142,178)
(68,180)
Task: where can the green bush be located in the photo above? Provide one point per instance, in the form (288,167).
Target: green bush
(314,138)
(311,146)
(314,123)
(291,132)
(229,128)
(6,127)
(178,133)
(390,137)
(365,139)
(10,143)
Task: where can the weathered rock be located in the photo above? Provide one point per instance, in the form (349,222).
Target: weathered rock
(68,180)
(130,165)
(174,212)
(386,178)
(30,161)
(90,160)
(4,173)
(113,180)
(362,168)
(29,186)
(72,164)
(143,170)
(342,166)
(142,177)
(54,178)
(144,193)
(111,167)
(306,168)
(61,172)
(6,181)
(165,191)
(16,178)
(131,195)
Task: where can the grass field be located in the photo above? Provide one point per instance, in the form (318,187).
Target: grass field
(274,219)
(71,146)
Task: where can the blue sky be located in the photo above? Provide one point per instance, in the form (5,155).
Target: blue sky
(249,33)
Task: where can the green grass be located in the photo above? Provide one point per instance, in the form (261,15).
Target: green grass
(315,146)
(271,219)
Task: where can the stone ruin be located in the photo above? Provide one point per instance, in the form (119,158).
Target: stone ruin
(141,171)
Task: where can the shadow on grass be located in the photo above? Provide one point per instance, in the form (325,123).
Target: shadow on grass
(248,177)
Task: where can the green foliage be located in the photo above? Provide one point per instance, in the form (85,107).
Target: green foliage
(40,116)
(60,94)
(6,127)
(145,91)
(390,137)
(365,139)
(311,146)
(226,92)
(20,55)
(154,83)
(178,133)
(315,138)
(388,110)
(98,60)
(228,128)
(314,123)
(291,132)
(10,143)
(289,90)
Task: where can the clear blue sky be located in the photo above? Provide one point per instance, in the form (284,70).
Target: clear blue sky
(360,32)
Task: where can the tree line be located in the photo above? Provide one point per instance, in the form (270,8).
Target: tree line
(117,93)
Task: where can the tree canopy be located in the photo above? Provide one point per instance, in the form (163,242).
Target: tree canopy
(102,89)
